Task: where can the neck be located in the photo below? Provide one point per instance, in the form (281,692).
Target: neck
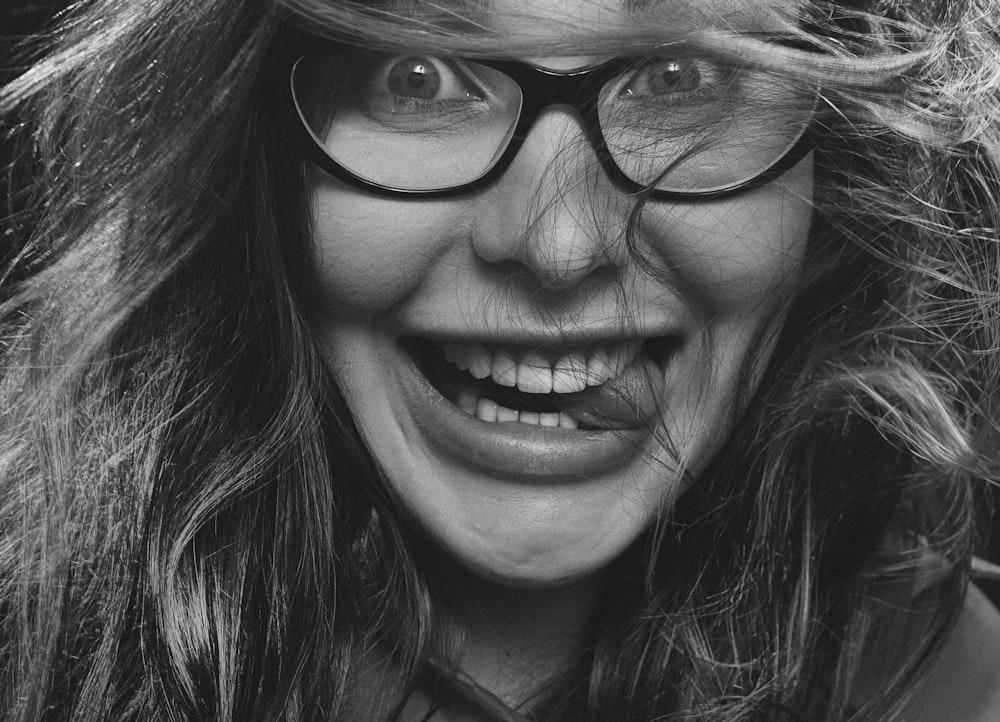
(517,639)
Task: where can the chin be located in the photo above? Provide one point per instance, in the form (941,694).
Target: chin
(533,564)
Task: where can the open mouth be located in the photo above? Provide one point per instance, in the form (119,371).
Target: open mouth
(604,386)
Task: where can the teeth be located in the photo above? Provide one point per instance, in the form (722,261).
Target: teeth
(534,374)
(530,417)
(599,366)
(486,410)
(503,369)
(566,422)
(504,414)
(479,362)
(618,359)
(467,402)
(569,374)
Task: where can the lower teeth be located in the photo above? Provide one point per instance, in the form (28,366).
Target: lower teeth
(486,410)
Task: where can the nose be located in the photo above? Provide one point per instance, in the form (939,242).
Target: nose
(554,212)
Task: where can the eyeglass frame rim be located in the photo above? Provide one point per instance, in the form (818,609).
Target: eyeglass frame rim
(579,91)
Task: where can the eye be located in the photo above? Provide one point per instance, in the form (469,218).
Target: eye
(672,77)
(424,78)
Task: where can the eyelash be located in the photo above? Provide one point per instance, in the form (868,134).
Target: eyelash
(711,77)
(463,77)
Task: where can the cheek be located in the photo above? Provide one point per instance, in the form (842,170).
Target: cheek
(371,252)
(737,255)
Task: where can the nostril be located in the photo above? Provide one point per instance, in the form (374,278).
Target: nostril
(540,279)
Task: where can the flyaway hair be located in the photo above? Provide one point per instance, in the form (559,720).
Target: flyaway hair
(191,527)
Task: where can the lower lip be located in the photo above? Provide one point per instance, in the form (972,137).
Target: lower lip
(513,450)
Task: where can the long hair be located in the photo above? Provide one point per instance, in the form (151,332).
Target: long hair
(191,527)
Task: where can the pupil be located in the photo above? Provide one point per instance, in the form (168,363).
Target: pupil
(416,78)
(675,77)
(413,78)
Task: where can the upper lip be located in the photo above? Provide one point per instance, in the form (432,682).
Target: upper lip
(659,346)
(545,339)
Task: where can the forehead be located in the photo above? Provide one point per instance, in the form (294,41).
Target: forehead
(683,15)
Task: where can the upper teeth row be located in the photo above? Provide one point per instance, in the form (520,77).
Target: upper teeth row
(532,373)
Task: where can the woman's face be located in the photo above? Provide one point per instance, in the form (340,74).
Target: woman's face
(535,393)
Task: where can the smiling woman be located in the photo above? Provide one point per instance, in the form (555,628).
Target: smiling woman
(564,360)
(648,357)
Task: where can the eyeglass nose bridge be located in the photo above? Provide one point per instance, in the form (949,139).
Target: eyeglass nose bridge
(579,90)
(543,87)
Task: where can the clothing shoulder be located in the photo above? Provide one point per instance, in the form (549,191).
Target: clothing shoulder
(963,683)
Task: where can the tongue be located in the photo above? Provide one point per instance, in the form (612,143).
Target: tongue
(625,402)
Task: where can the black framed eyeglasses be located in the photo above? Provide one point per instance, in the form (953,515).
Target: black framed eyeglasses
(676,124)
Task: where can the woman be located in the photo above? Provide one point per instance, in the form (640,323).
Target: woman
(560,361)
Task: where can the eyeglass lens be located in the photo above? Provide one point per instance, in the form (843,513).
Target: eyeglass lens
(420,122)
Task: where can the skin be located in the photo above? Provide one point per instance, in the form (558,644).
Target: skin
(539,255)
